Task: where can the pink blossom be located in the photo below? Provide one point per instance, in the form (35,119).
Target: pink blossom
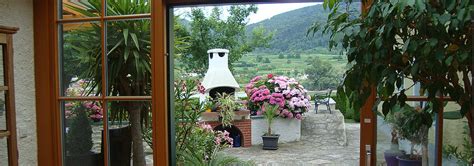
(278,99)
(290,96)
(68,105)
(201,88)
(95,107)
(255,79)
(206,127)
(298,116)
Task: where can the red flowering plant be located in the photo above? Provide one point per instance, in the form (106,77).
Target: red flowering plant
(290,96)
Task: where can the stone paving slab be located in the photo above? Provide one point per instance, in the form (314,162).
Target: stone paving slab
(306,152)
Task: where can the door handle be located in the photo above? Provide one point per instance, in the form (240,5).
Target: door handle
(4,133)
(368,155)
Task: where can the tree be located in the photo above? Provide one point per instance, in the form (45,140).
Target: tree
(259,58)
(213,31)
(281,56)
(267,60)
(128,58)
(428,42)
(298,56)
(321,74)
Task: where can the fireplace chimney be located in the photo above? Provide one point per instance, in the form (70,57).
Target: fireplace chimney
(218,78)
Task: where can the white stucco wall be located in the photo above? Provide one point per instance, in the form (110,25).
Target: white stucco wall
(19,13)
(289,130)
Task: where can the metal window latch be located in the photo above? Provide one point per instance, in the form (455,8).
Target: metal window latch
(368,155)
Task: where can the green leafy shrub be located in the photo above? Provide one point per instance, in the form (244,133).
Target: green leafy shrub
(463,155)
(344,105)
(281,56)
(227,106)
(79,135)
(267,60)
(356,114)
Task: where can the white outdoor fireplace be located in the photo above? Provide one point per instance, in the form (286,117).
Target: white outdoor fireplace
(218,78)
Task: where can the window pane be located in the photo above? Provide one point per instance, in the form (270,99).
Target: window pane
(456,139)
(3,151)
(127,7)
(128,58)
(80,59)
(2,69)
(3,112)
(80,8)
(130,125)
(396,139)
(82,133)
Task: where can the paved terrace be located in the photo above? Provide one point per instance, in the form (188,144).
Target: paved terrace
(314,148)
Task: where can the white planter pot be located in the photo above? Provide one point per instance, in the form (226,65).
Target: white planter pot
(289,129)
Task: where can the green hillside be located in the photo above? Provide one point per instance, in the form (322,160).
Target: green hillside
(290,31)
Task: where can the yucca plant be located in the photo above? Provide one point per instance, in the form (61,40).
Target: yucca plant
(128,62)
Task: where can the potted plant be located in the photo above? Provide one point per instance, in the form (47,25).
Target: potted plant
(413,125)
(286,93)
(270,140)
(391,154)
(79,140)
(227,106)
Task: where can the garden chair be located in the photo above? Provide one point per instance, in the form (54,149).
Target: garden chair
(323,99)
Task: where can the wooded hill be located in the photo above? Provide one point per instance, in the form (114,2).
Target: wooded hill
(290,30)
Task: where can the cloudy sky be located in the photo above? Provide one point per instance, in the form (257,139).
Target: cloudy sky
(265,11)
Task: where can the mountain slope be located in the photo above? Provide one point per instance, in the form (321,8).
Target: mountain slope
(290,30)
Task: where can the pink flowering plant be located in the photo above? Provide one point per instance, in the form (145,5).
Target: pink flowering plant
(204,143)
(93,109)
(286,93)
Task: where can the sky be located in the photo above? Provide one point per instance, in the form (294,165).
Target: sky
(265,11)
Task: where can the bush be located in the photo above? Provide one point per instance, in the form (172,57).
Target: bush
(356,115)
(281,56)
(79,136)
(267,60)
(288,61)
(259,58)
(298,56)
(343,104)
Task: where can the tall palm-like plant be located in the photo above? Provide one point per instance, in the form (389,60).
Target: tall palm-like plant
(128,62)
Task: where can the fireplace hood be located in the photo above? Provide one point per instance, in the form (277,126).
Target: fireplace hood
(218,74)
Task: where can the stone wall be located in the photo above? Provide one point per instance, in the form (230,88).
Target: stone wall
(19,13)
(289,130)
(325,127)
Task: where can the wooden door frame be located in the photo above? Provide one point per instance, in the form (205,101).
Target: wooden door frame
(6,40)
(49,148)
(45,49)
(368,118)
